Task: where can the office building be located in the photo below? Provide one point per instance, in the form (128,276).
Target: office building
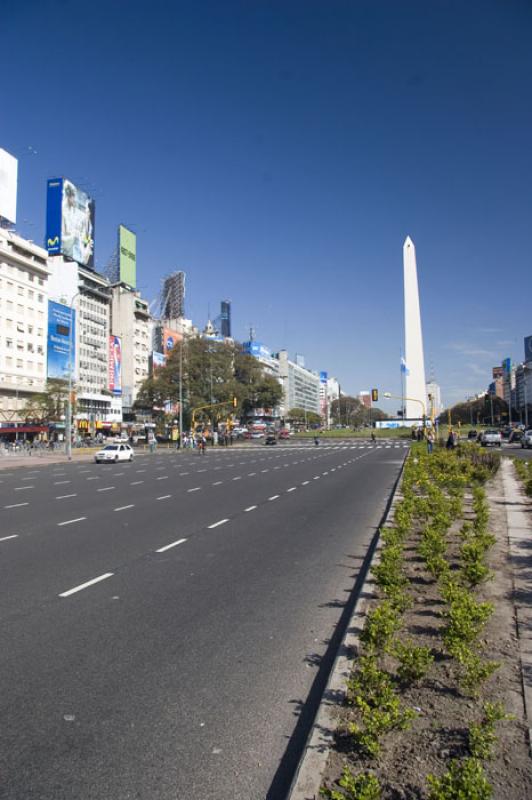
(173,296)
(301,386)
(131,323)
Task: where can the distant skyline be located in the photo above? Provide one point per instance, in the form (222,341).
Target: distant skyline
(280,153)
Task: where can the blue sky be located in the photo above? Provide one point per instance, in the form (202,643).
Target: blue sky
(280,151)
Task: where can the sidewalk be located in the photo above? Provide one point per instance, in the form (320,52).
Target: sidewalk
(519,521)
(39,459)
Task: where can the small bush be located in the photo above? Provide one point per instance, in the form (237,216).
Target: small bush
(482,736)
(376,721)
(355,787)
(414,662)
(464,780)
(381,624)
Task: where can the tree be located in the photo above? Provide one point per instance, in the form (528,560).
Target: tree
(350,411)
(478,411)
(48,406)
(301,417)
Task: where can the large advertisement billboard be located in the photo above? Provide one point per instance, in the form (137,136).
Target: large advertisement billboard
(158,360)
(8,186)
(170,339)
(69,222)
(61,342)
(115,365)
(127,256)
(528,348)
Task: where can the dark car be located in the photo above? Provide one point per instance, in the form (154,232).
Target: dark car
(516,435)
(270,438)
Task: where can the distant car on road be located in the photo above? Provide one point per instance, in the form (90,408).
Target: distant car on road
(490,437)
(516,435)
(526,439)
(114,452)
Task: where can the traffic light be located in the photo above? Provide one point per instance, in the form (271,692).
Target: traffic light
(374,395)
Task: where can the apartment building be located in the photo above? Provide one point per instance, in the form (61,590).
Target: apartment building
(131,321)
(23,324)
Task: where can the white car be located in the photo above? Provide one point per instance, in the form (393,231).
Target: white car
(115,452)
(490,437)
(526,439)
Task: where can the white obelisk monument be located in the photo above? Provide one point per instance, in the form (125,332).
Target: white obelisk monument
(415,387)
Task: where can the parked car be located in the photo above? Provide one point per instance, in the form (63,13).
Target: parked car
(114,452)
(490,437)
(516,435)
(526,439)
(284,434)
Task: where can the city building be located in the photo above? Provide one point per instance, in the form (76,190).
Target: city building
(88,294)
(415,386)
(434,402)
(268,361)
(497,386)
(24,277)
(301,386)
(173,296)
(365,399)
(131,323)
(523,392)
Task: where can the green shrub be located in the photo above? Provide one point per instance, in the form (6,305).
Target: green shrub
(378,720)
(472,561)
(364,786)
(414,662)
(482,736)
(380,626)
(464,780)
(465,616)
(369,682)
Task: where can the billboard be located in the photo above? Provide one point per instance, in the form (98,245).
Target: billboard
(127,256)
(69,222)
(170,339)
(115,365)
(158,360)
(256,349)
(507,366)
(8,186)
(61,344)
(528,348)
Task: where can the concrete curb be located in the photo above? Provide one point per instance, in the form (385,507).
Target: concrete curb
(519,525)
(309,775)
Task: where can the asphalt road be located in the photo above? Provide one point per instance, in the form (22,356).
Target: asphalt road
(166,626)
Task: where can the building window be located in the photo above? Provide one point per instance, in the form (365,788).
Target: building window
(40,298)
(9,344)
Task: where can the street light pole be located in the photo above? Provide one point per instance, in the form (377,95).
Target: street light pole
(68,420)
(181,393)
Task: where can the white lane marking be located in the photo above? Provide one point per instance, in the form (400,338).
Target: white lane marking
(140,470)
(124,508)
(238,478)
(28,479)
(64,496)
(162,478)
(70,521)
(324,473)
(251,474)
(217,483)
(17,505)
(105,489)
(195,489)
(81,470)
(5,538)
(188,473)
(250,508)
(292,489)
(135,483)
(114,473)
(201,470)
(305,483)
(316,478)
(85,585)
(168,546)
(21,488)
(216,524)
(58,483)
(265,470)
(273,497)
(94,478)
(164,497)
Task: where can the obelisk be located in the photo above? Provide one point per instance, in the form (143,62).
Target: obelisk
(415,387)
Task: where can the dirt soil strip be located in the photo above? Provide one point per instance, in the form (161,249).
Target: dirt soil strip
(309,776)
(440,731)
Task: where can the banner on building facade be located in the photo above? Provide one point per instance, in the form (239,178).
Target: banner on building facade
(115,365)
(61,342)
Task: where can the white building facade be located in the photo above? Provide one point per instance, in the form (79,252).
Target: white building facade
(23,324)
(131,321)
(301,386)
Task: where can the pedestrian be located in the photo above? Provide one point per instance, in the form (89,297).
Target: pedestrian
(430,441)
(203,444)
(450,441)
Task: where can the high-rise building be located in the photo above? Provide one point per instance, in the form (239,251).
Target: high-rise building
(130,321)
(225,319)
(23,323)
(173,296)
(301,386)
(415,387)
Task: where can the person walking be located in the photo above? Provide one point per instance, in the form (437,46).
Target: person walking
(430,441)
(450,441)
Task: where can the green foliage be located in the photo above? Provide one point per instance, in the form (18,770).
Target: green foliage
(473,566)
(378,720)
(432,548)
(466,617)
(482,736)
(364,786)
(380,626)
(414,662)
(464,780)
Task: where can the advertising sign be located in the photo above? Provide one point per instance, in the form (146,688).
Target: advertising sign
(158,360)
(528,348)
(8,186)
(256,349)
(507,366)
(60,343)
(323,377)
(127,256)
(115,365)
(170,339)
(69,222)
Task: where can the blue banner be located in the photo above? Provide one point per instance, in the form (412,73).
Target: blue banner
(61,345)
(54,199)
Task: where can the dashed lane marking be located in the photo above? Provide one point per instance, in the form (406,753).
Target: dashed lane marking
(135,483)
(86,584)
(217,524)
(5,538)
(195,489)
(250,508)
(273,497)
(105,489)
(70,521)
(58,483)
(22,488)
(164,497)
(168,546)
(124,508)
(17,505)
(292,489)
(64,496)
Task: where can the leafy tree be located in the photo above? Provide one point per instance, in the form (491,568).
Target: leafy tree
(478,411)
(350,411)
(301,417)
(48,405)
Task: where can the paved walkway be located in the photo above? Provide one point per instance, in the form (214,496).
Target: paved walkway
(519,520)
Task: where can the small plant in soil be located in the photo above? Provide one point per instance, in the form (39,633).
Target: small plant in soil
(482,737)
(364,786)
(464,780)
(378,720)
(414,662)
(381,624)
(466,616)
(473,567)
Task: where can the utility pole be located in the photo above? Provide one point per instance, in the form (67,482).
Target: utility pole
(181,393)
(68,419)
(491,408)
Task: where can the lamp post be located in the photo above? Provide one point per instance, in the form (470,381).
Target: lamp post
(68,421)
(181,393)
